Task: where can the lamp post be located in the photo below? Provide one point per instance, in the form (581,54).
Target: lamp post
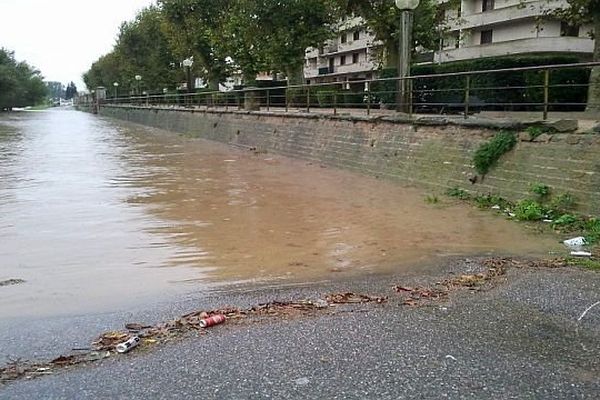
(116,85)
(138,78)
(404,52)
(187,64)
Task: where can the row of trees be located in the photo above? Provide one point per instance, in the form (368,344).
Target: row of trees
(262,35)
(20,84)
(239,35)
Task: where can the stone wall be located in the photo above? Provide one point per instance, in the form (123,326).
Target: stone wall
(430,155)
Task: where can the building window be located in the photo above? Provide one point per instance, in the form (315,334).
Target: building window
(487,5)
(344,38)
(321,50)
(343,60)
(356,35)
(486,37)
(569,30)
(355,58)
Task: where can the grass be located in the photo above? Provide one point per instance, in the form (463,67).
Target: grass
(587,263)
(431,199)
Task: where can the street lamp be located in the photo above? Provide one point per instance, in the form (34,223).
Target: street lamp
(404,51)
(138,78)
(116,85)
(187,64)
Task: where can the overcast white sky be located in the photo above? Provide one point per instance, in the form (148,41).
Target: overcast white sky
(63,37)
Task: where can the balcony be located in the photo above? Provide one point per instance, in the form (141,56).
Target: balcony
(519,46)
(509,14)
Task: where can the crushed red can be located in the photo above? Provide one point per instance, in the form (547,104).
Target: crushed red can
(214,320)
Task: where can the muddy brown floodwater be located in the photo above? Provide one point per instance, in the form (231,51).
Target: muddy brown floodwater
(96,214)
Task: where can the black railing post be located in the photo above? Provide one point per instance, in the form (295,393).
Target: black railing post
(546,93)
(467,95)
(268,100)
(334,102)
(368,97)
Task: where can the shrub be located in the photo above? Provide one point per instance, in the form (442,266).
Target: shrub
(489,153)
(540,190)
(529,210)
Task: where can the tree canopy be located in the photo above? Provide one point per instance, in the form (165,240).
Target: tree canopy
(20,84)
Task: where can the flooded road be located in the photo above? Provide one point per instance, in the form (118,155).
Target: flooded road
(96,214)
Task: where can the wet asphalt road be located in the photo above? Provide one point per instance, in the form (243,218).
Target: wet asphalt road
(519,340)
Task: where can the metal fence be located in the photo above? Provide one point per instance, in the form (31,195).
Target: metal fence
(540,89)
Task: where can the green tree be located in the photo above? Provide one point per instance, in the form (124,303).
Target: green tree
(383,18)
(56,90)
(289,27)
(193,29)
(20,84)
(71,91)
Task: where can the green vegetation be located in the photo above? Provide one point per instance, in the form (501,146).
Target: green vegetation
(458,193)
(529,210)
(540,190)
(591,264)
(528,84)
(581,13)
(549,208)
(21,85)
(489,153)
(431,199)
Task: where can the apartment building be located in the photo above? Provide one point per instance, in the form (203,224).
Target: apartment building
(473,29)
(348,57)
(493,28)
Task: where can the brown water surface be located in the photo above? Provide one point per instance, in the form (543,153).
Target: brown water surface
(96,214)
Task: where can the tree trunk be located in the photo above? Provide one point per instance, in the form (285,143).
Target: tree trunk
(593,102)
(213,83)
(391,54)
(295,75)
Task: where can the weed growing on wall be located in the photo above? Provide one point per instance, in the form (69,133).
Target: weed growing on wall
(488,154)
(552,209)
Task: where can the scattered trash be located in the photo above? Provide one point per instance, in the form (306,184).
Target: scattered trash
(10,282)
(496,207)
(128,345)
(349,297)
(214,320)
(549,221)
(320,303)
(136,327)
(97,355)
(587,310)
(576,243)
(451,357)
(581,253)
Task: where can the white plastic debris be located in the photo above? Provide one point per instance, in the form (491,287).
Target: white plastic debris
(581,253)
(575,243)
(128,345)
(496,207)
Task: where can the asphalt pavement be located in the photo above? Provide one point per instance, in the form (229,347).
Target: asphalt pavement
(524,338)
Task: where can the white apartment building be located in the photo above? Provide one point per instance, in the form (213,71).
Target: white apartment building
(347,57)
(473,29)
(493,28)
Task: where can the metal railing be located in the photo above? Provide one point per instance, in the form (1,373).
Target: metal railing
(540,89)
